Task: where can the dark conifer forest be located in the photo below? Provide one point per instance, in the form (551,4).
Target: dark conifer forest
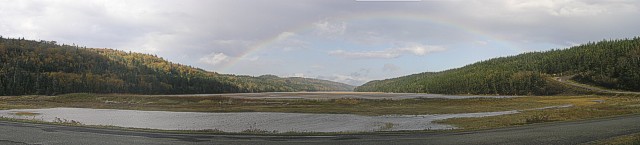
(29,67)
(44,67)
(612,64)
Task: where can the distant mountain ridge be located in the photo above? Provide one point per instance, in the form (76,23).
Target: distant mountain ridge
(44,67)
(612,64)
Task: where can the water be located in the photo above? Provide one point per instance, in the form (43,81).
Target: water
(339,95)
(237,122)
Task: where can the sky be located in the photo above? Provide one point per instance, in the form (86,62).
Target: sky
(348,41)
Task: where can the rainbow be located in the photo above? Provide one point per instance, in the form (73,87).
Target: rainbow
(370,16)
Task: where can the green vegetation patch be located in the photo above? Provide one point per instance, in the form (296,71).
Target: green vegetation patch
(23,113)
(333,106)
(585,109)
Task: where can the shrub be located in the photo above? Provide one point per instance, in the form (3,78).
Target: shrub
(537,118)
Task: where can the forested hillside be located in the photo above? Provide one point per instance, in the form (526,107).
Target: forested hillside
(613,64)
(44,67)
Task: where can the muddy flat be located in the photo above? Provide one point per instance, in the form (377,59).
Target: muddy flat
(241,121)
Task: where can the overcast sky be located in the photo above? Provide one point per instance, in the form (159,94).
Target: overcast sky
(347,41)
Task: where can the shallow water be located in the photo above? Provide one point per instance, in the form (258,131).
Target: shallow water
(237,122)
(338,95)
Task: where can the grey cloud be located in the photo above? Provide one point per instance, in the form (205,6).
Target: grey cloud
(390,67)
(363,72)
(406,48)
(185,31)
(351,80)
(556,22)
(118,23)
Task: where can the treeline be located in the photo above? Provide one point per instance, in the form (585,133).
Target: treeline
(613,64)
(47,68)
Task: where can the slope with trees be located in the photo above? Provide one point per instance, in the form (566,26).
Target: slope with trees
(44,67)
(613,64)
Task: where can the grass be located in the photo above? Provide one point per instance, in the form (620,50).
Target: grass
(57,121)
(387,126)
(333,106)
(204,131)
(537,118)
(258,131)
(612,106)
(24,113)
(585,107)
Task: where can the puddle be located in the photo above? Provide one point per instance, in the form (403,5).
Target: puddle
(339,95)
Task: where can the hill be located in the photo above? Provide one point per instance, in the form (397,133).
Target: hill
(612,64)
(44,67)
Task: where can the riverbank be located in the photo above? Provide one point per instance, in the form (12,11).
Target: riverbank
(583,107)
(336,105)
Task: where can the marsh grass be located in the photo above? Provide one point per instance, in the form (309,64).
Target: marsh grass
(24,113)
(56,121)
(537,118)
(66,122)
(585,107)
(613,106)
(386,126)
(347,101)
(258,131)
(203,131)
(333,106)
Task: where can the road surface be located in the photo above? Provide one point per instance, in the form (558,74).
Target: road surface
(548,133)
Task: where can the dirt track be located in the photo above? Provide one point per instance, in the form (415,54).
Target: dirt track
(567,80)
